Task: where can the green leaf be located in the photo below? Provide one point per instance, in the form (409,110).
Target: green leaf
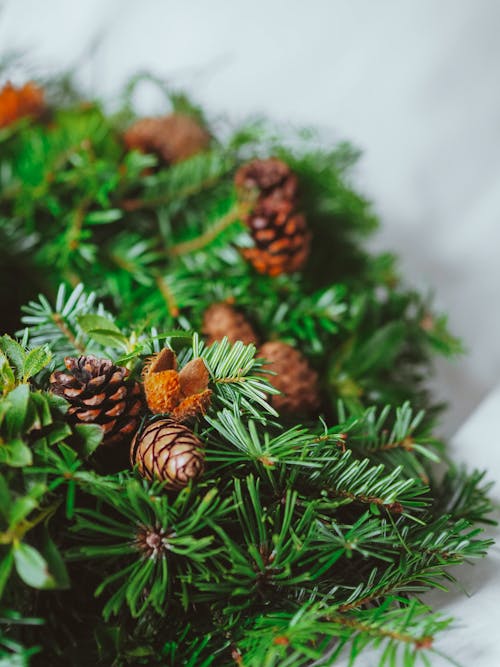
(41,402)
(103,330)
(90,437)
(32,567)
(24,505)
(58,433)
(16,453)
(7,377)
(103,217)
(14,353)
(35,361)
(5,569)
(55,561)
(5,499)
(18,400)
(109,338)
(92,322)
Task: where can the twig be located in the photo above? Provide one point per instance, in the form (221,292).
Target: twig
(137,204)
(66,331)
(169,298)
(419,642)
(186,247)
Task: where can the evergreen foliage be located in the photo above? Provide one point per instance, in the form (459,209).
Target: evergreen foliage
(304,540)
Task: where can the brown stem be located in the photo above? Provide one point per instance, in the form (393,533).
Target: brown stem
(73,234)
(419,642)
(169,298)
(395,508)
(234,215)
(406,444)
(66,331)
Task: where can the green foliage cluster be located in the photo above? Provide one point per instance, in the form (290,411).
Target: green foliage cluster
(303,541)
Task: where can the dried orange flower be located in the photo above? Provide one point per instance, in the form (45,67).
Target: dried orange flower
(183,394)
(16,103)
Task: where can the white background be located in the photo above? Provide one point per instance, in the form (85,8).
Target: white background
(414,83)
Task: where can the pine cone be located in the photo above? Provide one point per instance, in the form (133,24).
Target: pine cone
(183,394)
(172,138)
(297,381)
(221,320)
(168,451)
(271,178)
(99,393)
(281,237)
(16,103)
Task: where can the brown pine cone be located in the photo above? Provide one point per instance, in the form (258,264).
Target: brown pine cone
(16,103)
(270,178)
(168,451)
(296,380)
(281,237)
(172,138)
(100,393)
(221,320)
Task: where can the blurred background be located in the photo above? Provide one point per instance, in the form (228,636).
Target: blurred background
(413,83)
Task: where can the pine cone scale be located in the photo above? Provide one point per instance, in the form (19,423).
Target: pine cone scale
(279,232)
(168,451)
(100,393)
(294,377)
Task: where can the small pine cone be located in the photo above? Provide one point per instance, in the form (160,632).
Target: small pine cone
(168,451)
(221,320)
(100,393)
(271,179)
(16,103)
(183,394)
(172,138)
(281,237)
(296,380)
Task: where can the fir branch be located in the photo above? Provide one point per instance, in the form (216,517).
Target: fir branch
(167,295)
(193,245)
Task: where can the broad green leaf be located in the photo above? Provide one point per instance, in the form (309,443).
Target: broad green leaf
(35,361)
(41,404)
(90,437)
(6,564)
(32,567)
(92,322)
(109,338)
(55,561)
(16,453)
(7,377)
(5,500)
(18,399)
(58,433)
(14,353)
(21,508)
(4,407)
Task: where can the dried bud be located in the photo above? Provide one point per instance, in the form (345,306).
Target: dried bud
(184,395)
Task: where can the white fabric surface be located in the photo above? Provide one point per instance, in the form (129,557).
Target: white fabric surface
(414,83)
